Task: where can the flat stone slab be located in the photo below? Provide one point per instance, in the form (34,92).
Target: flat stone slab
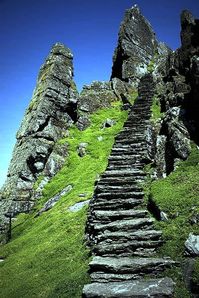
(52,201)
(78,206)
(130,265)
(139,235)
(125,225)
(118,214)
(156,288)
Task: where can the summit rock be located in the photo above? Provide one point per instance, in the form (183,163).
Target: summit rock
(136,47)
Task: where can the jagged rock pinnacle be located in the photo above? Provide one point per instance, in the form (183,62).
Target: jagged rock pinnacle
(51,111)
(137,45)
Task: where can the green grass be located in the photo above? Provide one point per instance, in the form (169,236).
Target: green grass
(155,110)
(133,96)
(47,256)
(178,196)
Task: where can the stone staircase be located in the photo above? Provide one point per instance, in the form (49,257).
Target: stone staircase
(120,230)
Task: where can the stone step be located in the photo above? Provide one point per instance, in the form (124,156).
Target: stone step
(129,248)
(123,156)
(130,163)
(139,235)
(123,173)
(125,166)
(156,288)
(105,269)
(125,225)
(118,194)
(117,204)
(117,188)
(112,215)
(118,146)
(118,180)
(117,151)
(119,183)
(126,137)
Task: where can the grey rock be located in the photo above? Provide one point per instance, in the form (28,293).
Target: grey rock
(108,123)
(136,47)
(192,245)
(78,206)
(52,201)
(94,96)
(81,150)
(163,216)
(100,138)
(51,112)
(163,287)
(125,265)
(160,156)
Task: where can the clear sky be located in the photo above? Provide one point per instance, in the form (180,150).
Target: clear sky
(28,29)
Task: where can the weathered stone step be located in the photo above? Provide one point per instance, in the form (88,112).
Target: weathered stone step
(126,265)
(108,215)
(119,194)
(133,162)
(114,184)
(118,188)
(126,141)
(125,225)
(123,173)
(116,204)
(139,235)
(123,150)
(125,146)
(156,288)
(129,248)
(118,180)
(123,155)
(127,137)
(124,166)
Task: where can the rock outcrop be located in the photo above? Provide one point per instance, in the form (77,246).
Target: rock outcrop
(94,96)
(136,47)
(51,112)
(176,89)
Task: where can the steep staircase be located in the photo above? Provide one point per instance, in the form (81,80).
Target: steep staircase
(121,232)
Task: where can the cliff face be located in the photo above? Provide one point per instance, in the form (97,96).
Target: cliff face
(176,89)
(51,112)
(137,45)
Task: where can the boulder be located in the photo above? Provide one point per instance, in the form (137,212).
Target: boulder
(192,245)
(108,123)
(81,150)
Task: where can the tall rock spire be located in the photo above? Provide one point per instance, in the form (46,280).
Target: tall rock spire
(137,45)
(50,113)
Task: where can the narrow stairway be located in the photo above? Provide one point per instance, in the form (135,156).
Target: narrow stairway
(120,230)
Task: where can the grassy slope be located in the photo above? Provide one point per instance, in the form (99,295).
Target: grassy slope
(47,256)
(178,196)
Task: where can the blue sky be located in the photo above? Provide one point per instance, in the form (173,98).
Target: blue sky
(28,29)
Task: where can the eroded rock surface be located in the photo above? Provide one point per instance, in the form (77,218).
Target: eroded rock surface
(136,47)
(51,112)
